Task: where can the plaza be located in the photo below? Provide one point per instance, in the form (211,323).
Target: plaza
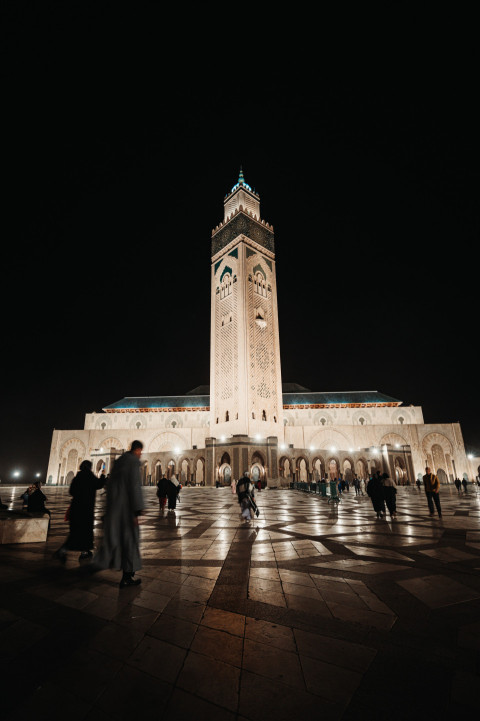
(314,610)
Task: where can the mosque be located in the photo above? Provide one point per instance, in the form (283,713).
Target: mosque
(247,419)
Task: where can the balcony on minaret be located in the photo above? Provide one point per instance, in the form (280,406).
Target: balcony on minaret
(241,197)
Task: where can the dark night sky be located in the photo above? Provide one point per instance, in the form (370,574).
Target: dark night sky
(117,152)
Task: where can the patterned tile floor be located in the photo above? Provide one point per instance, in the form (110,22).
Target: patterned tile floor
(313,612)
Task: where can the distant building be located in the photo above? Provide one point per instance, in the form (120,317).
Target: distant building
(247,419)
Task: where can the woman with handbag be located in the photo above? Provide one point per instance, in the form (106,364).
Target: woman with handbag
(83,490)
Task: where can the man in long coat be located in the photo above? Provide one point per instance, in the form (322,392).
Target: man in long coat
(121,541)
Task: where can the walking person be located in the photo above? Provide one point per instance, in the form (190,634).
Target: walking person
(458,484)
(125,506)
(362,487)
(162,490)
(465,485)
(356,485)
(173,489)
(390,494)
(83,490)
(376,493)
(432,491)
(233,487)
(245,491)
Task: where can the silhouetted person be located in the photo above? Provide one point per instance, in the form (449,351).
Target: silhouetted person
(356,485)
(465,485)
(36,500)
(245,491)
(458,484)
(173,489)
(83,490)
(432,491)
(375,491)
(390,494)
(121,541)
(162,489)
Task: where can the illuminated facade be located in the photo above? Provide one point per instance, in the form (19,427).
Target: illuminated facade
(247,419)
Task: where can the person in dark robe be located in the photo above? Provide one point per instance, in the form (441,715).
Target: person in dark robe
(390,494)
(245,492)
(173,490)
(36,500)
(120,546)
(162,491)
(83,490)
(376,493)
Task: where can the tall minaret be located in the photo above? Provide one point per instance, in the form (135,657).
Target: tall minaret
(245,375)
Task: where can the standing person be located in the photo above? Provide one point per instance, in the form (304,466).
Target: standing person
(121,541)
(362,486)
(464,484)
(432,491)
(83,490)
(419,483)
(245,491)
(458,483)
(376,493)
(390,494)
(162,489)
(233,487)
(356,485)
(173,489)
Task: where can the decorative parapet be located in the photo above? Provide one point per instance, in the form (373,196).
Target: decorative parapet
(242,222)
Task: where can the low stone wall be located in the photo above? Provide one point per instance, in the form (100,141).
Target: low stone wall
(18,527)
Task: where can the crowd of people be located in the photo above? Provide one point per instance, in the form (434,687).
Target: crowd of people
(120,545)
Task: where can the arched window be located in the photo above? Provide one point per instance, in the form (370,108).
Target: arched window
(227,416)
(226,285)
(259,284)
(264,415)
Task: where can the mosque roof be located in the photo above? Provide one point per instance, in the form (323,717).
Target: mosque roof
(300,397)
(151,403)
(344,398)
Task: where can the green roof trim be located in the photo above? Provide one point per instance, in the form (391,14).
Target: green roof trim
(349,398)
(225,271)
(152,402)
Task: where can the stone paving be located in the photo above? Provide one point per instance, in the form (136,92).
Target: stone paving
(314,611)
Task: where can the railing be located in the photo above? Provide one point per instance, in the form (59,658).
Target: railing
(324,490)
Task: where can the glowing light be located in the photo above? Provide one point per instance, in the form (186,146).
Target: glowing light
(177,450)
(16,474)
(258,436)
(222,439)
(283,446)
(333,449)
